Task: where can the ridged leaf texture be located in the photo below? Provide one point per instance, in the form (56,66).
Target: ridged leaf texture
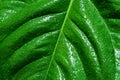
(59,40)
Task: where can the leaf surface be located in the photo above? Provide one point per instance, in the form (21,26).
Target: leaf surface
(54,40)
(112,18)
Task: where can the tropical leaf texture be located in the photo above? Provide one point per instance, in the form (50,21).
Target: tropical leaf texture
(59,40)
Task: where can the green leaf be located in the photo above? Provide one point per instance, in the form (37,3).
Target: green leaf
(112,19)
(115,33)
(54,40)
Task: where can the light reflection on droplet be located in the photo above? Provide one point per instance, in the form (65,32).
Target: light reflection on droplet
(71,53)
(46,18)
(5,15)
(117,55)
(60,74)
(82,5)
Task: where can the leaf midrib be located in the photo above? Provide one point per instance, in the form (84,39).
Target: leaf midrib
(61,31)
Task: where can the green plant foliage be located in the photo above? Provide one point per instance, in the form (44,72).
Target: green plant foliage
(59,40)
